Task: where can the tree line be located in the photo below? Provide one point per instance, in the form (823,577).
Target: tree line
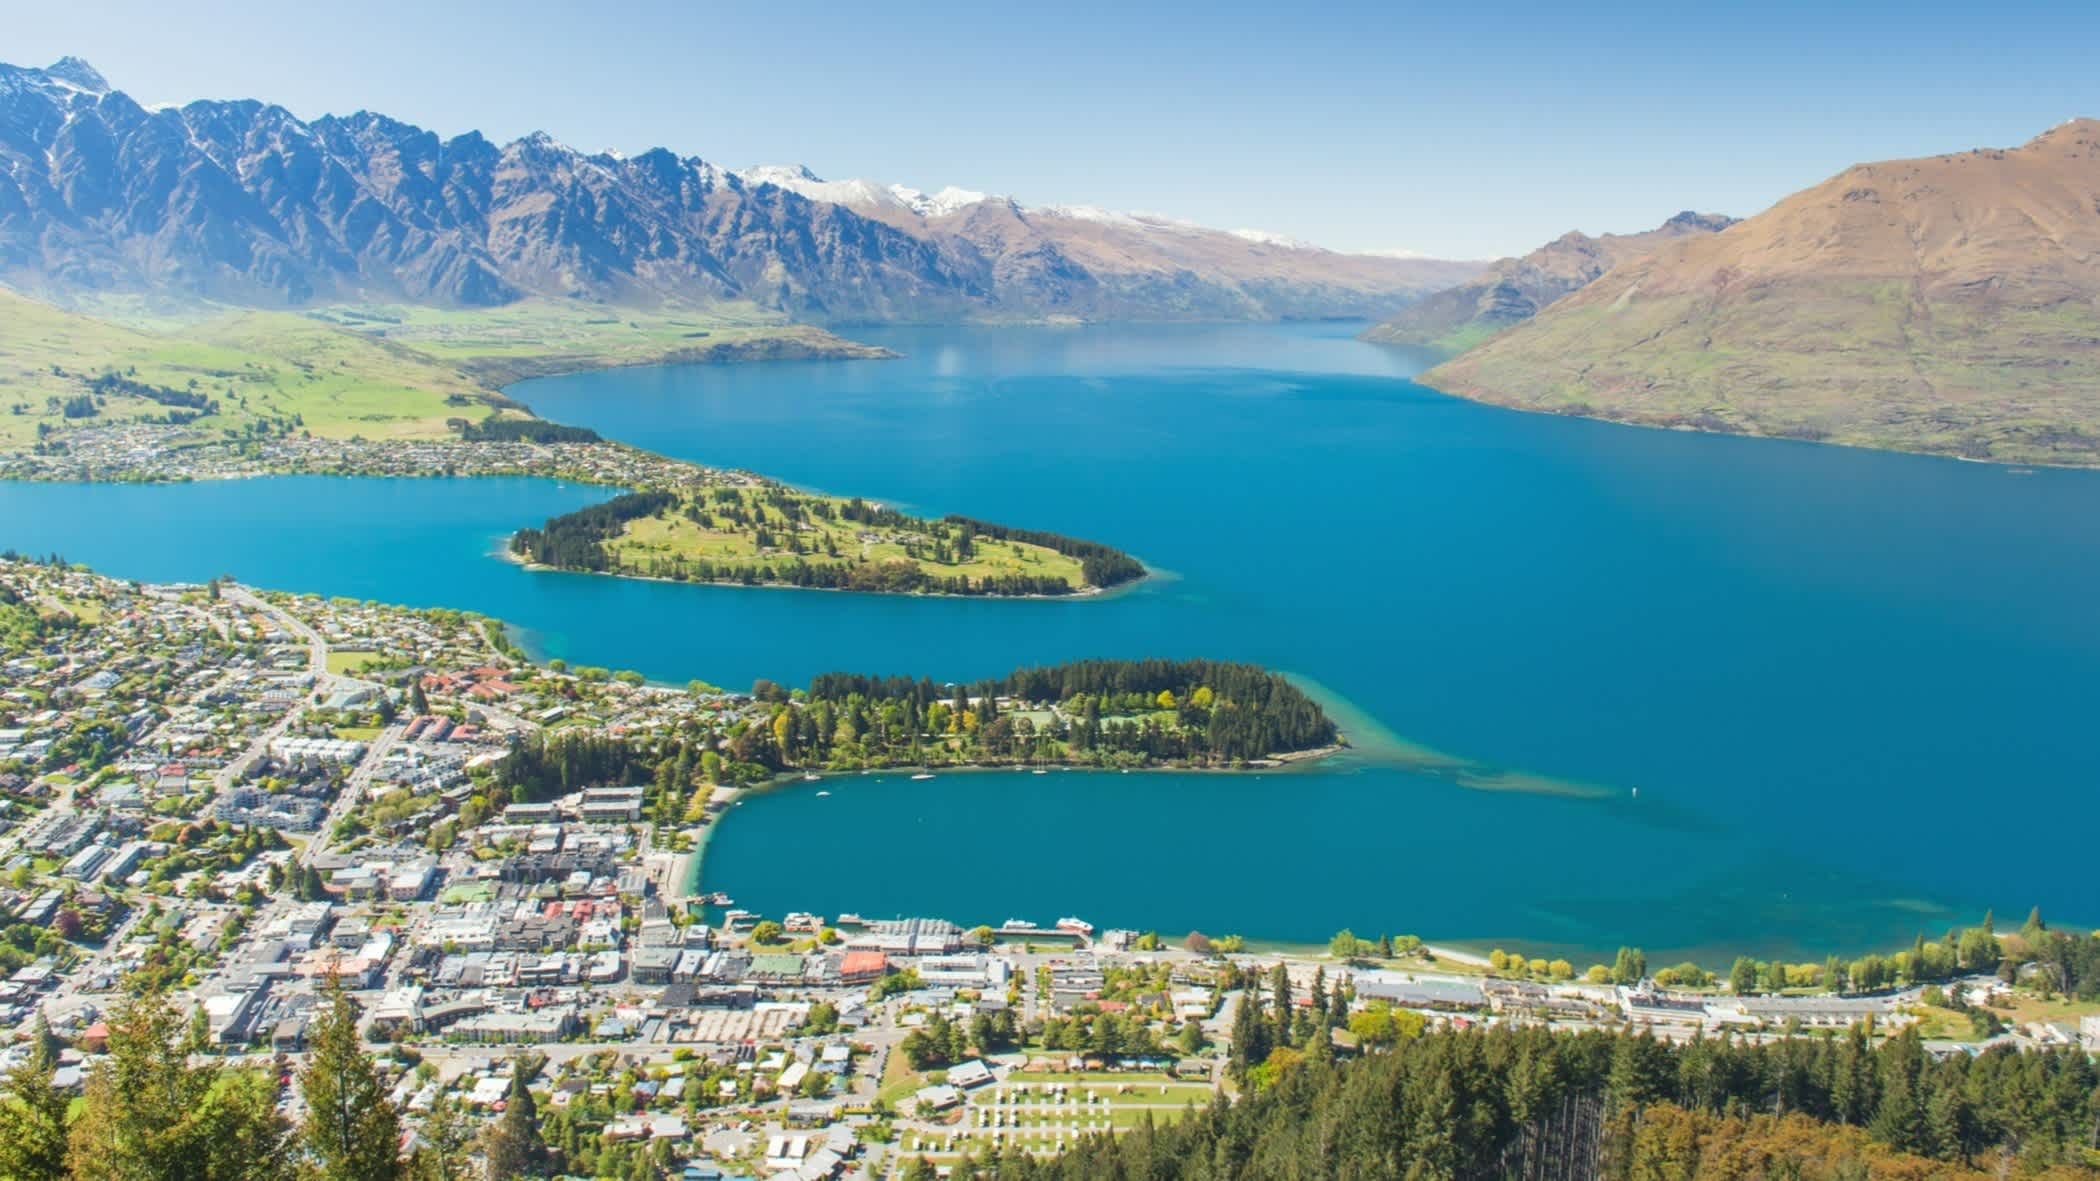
(155,1109)
(1101,565)
(524,430)
(1152,710)
(1526,1103)
(576,541)
(774,517)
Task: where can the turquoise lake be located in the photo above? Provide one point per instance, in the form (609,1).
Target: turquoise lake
(1764,696)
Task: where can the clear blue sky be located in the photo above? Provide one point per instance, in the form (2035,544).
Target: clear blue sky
(1457,129)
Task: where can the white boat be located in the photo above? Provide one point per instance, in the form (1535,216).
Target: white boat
(822,794)
(1076,926)
(1040,771)
(811,777)
(923,775)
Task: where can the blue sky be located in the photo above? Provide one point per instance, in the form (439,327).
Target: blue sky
(1453,129)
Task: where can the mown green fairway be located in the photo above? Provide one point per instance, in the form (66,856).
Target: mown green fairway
(754,529)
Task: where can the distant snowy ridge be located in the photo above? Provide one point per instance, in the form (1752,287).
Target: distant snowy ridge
(867,194)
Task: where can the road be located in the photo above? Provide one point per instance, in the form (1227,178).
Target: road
(353,789)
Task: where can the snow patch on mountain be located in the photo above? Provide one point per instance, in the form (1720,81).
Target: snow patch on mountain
(869,195)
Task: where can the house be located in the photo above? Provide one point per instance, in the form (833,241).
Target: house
(941,1098)
(863,967)
(611,805)
(966,1075)
(787,1152)
(1412,992)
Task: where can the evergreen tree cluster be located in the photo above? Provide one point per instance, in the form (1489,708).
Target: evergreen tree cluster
(525,430)
(777,519)
(1220,711)
(541,766)
(1529,1103)
(111,382)
(1101,565)
(576,541)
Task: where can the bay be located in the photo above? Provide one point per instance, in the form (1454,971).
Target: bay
(1731,695)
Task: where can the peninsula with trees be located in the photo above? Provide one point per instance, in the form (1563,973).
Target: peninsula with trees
(738,528)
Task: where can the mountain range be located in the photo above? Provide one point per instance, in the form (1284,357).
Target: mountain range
(242,202)
(1512,290)
(1948,304)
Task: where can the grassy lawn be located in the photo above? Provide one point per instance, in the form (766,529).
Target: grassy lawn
(899,1080)
(350,662)
(2028,1007)
(357,733)
(673,535)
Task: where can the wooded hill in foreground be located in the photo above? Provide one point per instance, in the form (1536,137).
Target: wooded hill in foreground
(1947,305)
(1526,1103)
(757,532)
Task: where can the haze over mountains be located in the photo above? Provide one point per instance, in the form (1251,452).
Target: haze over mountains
(1513,290)
(242,202)
(1947,304)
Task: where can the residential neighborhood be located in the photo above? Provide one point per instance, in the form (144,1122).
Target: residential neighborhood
(252,798)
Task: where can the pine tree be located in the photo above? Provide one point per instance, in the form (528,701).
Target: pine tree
(33,1115)
(445,1139)
(149,1115)
(351,1129)
(514,1148)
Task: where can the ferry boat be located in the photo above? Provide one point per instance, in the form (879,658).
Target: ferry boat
(1075,926)
(851,919)
(739,918)
(802,921)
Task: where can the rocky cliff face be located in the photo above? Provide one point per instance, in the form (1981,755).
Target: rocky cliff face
(1515,289)
(243,202)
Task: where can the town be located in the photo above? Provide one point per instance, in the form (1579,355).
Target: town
(247,799)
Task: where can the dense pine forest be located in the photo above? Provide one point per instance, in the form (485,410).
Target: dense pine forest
(576,541)
(525,430)
(1104,712)
(1108,713)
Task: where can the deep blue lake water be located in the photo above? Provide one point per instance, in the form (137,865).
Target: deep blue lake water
(1853,691)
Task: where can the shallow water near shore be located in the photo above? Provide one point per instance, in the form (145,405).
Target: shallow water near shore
(1612,685)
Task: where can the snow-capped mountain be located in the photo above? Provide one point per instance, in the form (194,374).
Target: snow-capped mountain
(243,202)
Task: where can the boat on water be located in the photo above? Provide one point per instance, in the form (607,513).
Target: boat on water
(811,777)
(822,794)
(718,898)
(1040,771)
(1075,926)
(923,775)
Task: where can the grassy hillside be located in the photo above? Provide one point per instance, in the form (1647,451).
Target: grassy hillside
(247,369)
(533,337)
(1947,305)
(366,372)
